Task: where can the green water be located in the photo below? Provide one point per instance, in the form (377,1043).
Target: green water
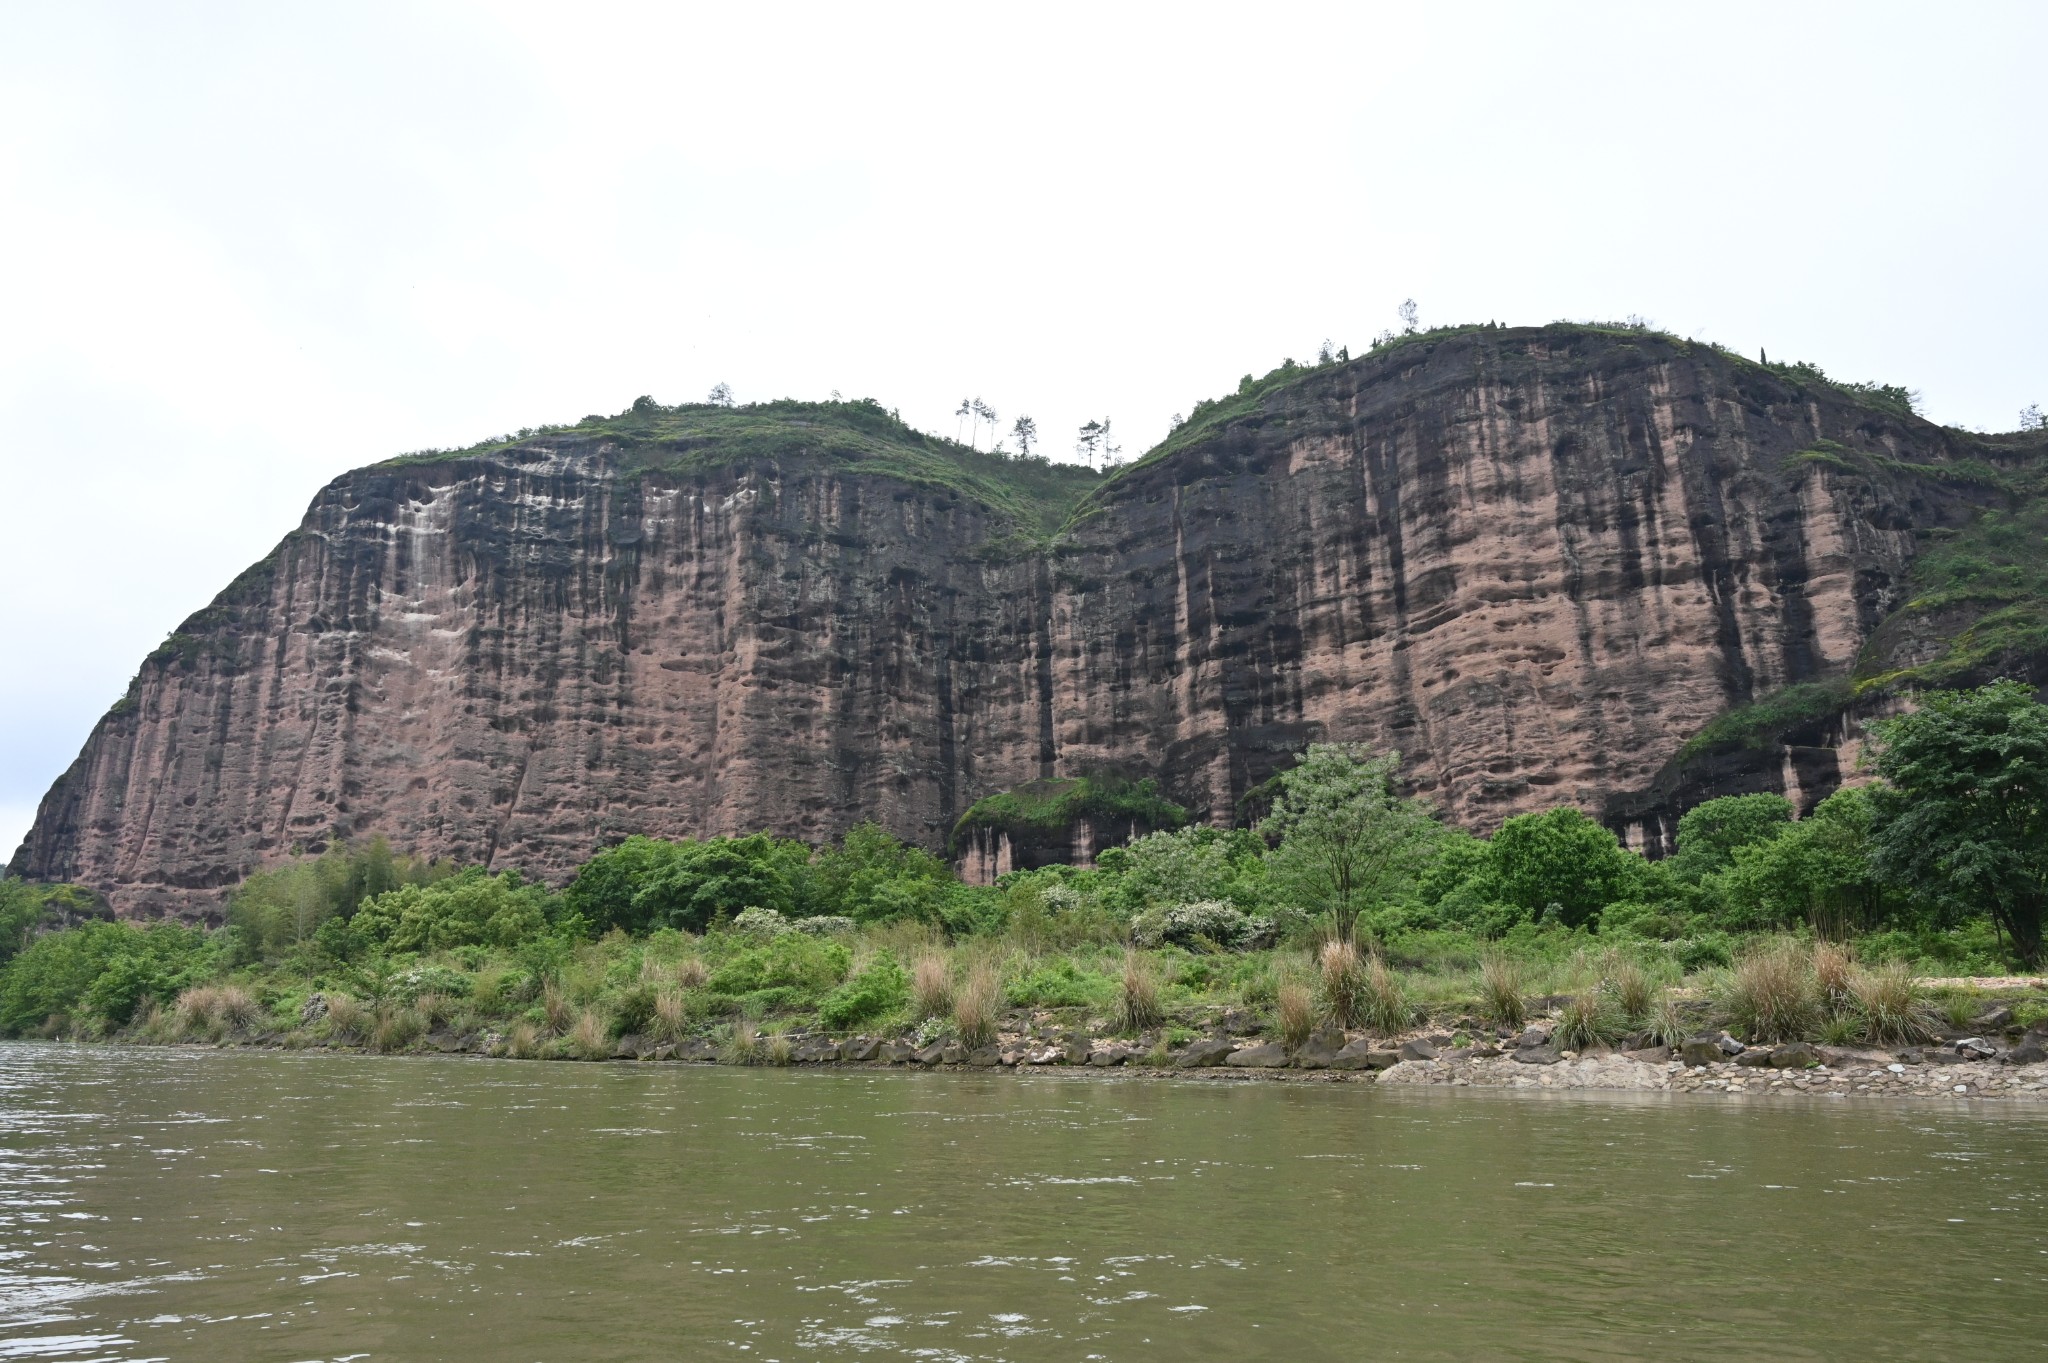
(227,1206)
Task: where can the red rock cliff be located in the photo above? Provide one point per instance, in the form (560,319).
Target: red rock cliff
(1536,561)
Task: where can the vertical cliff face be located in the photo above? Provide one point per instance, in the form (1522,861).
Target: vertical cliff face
(1535,561)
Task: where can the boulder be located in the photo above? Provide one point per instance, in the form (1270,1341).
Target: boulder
(1532,1036)
(1046,1055)
(1754,1058)
(626,1047)
(1320,1049)
(1538,1055)
(1485,1052)
(1210,1050)
(1363,1055)
(1701,1050)
(896,1053)
(1270,1056)
(986,1057)
(1108,1055)
(2032,1050)
(1076,1049)
(818,1052)
(448,1043)
(1422,1048)
(1976,1048)
(1995,1019)
(861,1048)
(1796,1055)
(696,1048)
(932,1054)
(1912,1055)
(665,1051)
(1729,1045)
(952,1053)
(1649,1055)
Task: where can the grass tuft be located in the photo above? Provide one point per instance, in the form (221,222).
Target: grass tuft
(1295,1011)
(1891,1005)
(1137,1005)
(1586,1022)
(931,987)
(1386,1003)
(974,1006)
(1770,994)
(1343,979)
(1500,990)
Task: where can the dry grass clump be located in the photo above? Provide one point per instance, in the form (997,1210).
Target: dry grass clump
(931,987)
(1584,1023)
(671,1014)
(1500,990)
(556,1008)
(1295,1010)
(347,1018)
(215,1008)
(523,1041)
(1665,1024)
(1892,1007)
(396,1030)
(741,1045)
(974,1007)
(1342,972)
(1834,974)
(777,1048)
(1770,994)
(691,972)
(435,1008)
(1385,1003)
(589,1036)
(1634,990)
(1137,1005)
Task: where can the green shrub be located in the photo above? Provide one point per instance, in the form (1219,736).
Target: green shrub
(471,908)
(878,990)
(1058,984)
(793,961)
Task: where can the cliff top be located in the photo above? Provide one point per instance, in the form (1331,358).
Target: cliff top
(1033,491)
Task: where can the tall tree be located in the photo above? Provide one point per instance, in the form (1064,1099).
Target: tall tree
(1026,431)
(1087,441)
(721,395)
(983,412)
(1110,450)
(1410,316)
(1963,815)
(1347,837)
(965,410)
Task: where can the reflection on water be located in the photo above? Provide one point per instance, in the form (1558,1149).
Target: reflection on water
(230,1205)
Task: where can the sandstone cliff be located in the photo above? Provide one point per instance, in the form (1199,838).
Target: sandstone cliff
(1537,561)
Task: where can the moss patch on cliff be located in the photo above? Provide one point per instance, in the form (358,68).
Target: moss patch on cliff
(863,436)
(1051,807)
(1767,719)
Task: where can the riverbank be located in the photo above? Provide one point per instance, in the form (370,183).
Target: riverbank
(1975,1067)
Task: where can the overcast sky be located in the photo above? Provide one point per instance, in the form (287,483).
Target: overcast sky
(246,247)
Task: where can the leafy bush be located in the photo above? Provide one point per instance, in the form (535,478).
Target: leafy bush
(470,908)
(793,961)
(1208,922)
(703,881)
(54,975)
(1057,984)
(879,989)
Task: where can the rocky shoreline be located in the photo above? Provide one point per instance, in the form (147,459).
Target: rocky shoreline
(1970,1068)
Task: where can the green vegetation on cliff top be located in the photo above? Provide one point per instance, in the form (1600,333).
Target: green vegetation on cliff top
(1035,493)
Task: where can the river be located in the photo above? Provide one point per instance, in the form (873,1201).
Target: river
(232,1205)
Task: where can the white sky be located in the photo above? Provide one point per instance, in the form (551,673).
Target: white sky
(246,247)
